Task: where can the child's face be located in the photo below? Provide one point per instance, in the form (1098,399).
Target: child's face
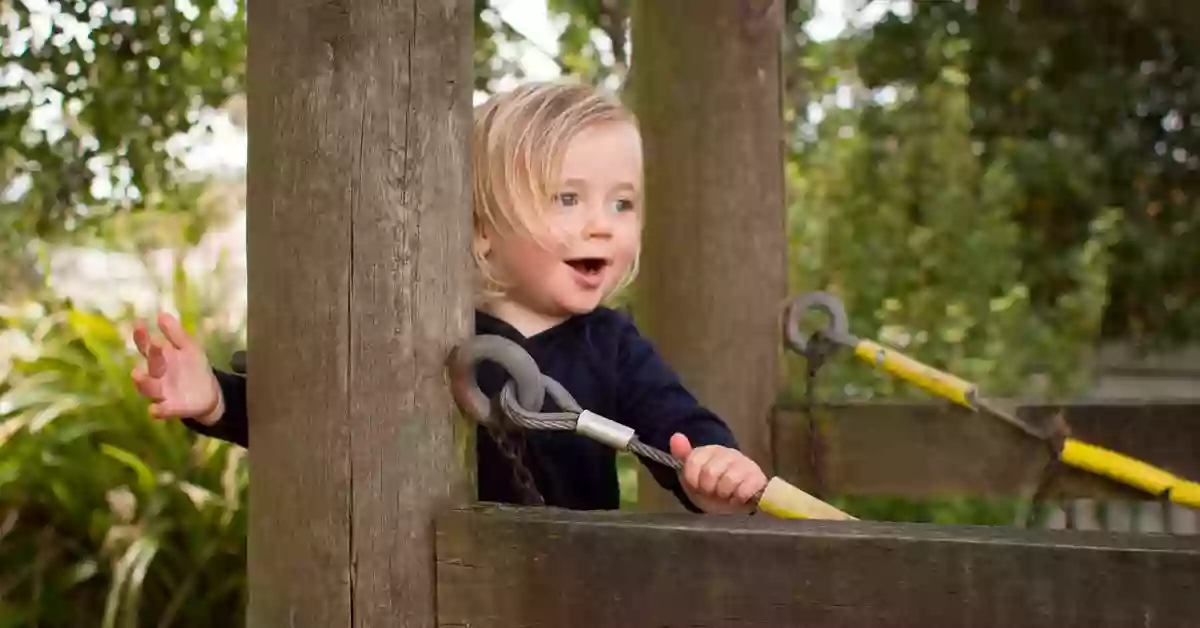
(596,218)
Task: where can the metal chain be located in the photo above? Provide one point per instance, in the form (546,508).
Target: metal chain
(816,350)
(815,446)
(514,450)
(513,419)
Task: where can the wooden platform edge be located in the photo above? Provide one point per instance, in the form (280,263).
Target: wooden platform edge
(505,567)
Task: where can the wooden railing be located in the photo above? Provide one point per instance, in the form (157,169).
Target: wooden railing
(929,450)
(505,567)
(534,568)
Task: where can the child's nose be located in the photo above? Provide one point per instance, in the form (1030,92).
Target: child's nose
(599,223)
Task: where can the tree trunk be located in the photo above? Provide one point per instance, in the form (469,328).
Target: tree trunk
(713,281)
(359,281)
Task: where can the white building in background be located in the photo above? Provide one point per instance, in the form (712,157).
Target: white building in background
(110,281)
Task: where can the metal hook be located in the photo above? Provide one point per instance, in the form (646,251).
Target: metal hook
(837,329)
(463,360)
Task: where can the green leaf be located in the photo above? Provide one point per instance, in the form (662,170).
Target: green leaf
(145,477)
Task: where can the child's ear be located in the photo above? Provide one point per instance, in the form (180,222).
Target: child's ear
(481,242)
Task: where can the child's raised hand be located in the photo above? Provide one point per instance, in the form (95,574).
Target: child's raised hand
(176,377)
(717,479)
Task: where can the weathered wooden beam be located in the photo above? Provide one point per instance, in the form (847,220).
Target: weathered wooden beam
(359,282)
(501,568)
(929,449)
(714,270)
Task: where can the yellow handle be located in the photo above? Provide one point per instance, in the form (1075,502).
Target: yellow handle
(1129,471)
(788,502)
(937,382)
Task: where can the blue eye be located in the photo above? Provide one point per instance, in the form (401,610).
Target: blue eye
(624,205)
(567,199)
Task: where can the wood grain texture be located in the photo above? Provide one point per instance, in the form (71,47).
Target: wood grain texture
(927,449)
(713,269)
(359,284)
(502,568)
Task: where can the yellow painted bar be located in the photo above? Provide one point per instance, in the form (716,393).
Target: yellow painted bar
(785,501)
(932,380)
(1129,471)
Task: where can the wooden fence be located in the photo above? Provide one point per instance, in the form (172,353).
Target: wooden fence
(502,568)
(505,567)
(924,450)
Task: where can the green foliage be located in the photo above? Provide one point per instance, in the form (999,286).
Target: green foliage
(895,211)
(1106,91)
(92,96)
(958,511)
(627,478)
(593,42)
(94,91)
(491,33)
(105,513)
(897,208)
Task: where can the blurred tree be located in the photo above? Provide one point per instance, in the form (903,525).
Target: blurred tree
(895,210)
(594,44)
(91,92)
(94,96)
(1093,103)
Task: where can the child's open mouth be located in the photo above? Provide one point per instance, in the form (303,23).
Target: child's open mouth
(588,265)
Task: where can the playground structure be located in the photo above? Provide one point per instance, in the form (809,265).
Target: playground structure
(359,278)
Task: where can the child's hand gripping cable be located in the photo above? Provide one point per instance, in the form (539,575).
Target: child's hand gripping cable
(527,389)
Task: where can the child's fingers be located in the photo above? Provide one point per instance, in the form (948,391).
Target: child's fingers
(165,409)
(148,386)
(156,361)
(141,338)
(731,480)
(174,332)
(749,487)
(696,461)
(158,410)
(681,448)
(714,470)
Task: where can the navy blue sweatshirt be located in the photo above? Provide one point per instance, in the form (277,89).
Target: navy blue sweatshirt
(610,369)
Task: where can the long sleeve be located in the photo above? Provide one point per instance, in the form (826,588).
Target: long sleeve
(654,402)
(233,426)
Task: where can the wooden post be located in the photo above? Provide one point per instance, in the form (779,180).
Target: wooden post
(359,285)
(706,88)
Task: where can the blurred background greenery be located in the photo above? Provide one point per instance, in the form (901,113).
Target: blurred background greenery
(997,189)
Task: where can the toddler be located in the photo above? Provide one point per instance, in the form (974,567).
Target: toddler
(557,229)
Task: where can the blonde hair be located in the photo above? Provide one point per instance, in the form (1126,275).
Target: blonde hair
(517,148)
